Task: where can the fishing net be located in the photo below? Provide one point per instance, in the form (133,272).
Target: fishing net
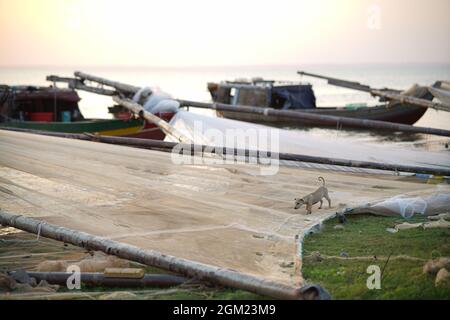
(226,215)
(215,131)
(408,206)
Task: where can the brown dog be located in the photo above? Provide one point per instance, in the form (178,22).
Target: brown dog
(313,198)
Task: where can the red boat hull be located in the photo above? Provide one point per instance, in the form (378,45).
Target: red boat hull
(151,131)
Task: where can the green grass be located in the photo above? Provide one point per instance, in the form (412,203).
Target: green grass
(366,236)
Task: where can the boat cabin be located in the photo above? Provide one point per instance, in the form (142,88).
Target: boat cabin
(264,93)
(43,104)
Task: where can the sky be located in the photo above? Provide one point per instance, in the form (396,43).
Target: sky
(222,33)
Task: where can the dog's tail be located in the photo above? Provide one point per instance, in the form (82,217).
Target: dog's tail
(323,181)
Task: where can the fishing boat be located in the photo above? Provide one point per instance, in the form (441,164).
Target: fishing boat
(149,131)
(158,108)
(300,97)
(56,109)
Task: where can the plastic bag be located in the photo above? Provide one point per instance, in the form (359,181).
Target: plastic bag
(406,207)
(155,100)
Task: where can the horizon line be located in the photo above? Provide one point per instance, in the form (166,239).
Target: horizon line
(225,66)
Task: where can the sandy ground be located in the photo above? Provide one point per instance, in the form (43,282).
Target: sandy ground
(223,215)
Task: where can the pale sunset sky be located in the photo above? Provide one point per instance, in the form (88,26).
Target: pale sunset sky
(220,33)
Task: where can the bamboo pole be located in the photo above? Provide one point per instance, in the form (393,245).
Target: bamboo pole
(330,120)
(389,94)
(99,279)
(167,146)
(75,83)
(411,100)
(119,86)
(338,82)
(163,125)
(203,272)
(193,148)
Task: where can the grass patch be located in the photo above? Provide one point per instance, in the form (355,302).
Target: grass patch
(365,236)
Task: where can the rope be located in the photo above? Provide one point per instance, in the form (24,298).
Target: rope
(39,231)
(15,217)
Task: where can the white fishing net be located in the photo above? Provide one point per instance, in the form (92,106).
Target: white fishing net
(408,205)
(215,131)
(229,216)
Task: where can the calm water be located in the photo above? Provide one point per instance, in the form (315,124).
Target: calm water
(190,83)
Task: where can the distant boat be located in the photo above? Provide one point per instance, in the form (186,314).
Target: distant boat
(301,97)
(56,109)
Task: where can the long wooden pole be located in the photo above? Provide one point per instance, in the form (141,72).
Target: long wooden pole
(411,100)
(330,120)
(203,272)
(163,125)
(123,87)
(75,83)
(195,149)
(99,279)
(389,94)
(192,148)
(338,82)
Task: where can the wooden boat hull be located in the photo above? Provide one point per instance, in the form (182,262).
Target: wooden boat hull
(399,113)
(55,109)
(104,127)
(151,131)
(300,97)
(135,128)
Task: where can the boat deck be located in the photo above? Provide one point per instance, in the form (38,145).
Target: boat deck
(223,215)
